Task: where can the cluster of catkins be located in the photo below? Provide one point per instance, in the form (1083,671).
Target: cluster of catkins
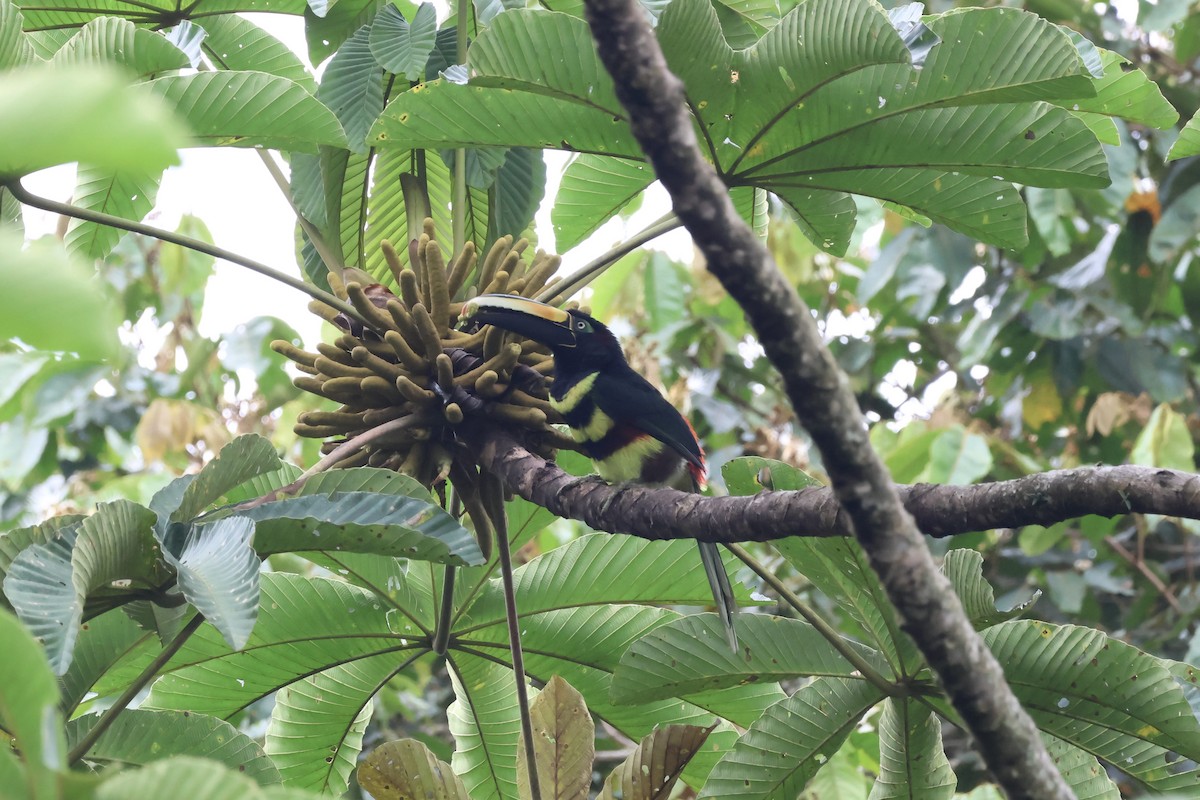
(408,369)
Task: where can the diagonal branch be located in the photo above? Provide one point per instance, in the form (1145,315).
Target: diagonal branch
(940,511)
(821,396)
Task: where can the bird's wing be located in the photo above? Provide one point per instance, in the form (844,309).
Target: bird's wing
(629,399)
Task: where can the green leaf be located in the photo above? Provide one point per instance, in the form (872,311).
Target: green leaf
(911,759)
(305,625)
(352,87)
(1099,694)
(96,119)
(1126,92)
(102,642)
(563,742)
(203,778)
(1164,442)
(654,766)
(363,522)
(218,573)
(485,724)
(957,457)
(48,583)
(785,747)
(43,282)
(1188,143)
(141,737)
(110,40)
(14,47)
(242,459)
(689,655)
(601,568)
(400,48)
(28,707)
(328,31)
(317,725)
(593,189)
(1082,772)
(250,109)
(127,195)
(964,568)
(236,43)
(516,194)
(14,541)
(406,768)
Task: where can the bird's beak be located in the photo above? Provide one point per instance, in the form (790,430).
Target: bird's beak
(529,318)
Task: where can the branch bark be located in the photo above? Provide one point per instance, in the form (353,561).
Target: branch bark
(821,397)
(940,511)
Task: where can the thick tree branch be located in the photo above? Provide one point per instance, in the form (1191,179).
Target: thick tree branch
(822,399)
(940,511)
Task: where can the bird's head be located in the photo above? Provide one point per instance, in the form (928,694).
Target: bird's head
(577,340)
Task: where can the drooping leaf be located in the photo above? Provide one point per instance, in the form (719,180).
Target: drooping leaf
(240,460)
(485,725)
(957,456)
(352,87)
(14,47)
(48,583)
(406,768)
(689,655)
(784,748)
(14,541)
(964,568)
(250,109)
(911,759)
(28,706)
(203,777)
(1125,92)
(363,522)
(516,194)
(102,641)
(111,40)
(218,573)
(655,765)
(401,48)
(141,737)
(563,743)
(1082,772)
(1164,442)
(1188,143)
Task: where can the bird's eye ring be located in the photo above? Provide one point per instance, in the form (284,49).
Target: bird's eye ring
(581,325)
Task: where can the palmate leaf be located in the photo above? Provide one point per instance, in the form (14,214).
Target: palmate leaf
(118,41)
(236,43)
(127,195)
(317,724)
(1100,695)
(14,541)
(911,759)
(601,568)
(141,737)
(52,14)
(401,48)
(48,583)
(14,47)
(102,642)
(406,768)
(305,625)
(786,746)
(689,655)
(516,194)
(250,109)
(1082,772)
(200,777)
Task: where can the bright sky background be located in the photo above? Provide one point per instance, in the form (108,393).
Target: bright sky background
(231,191)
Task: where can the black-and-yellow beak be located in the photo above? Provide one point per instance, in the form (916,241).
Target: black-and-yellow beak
(529,318)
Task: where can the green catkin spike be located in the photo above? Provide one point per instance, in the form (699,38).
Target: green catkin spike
(439,295)
(335,370)
(524,416)
(460,268)
(409,359)
(338,419)
(453,414)
(491,263)
(380,387)
(378,416)
(293,353)
(313,385)
(403,323)
(415,394)
(379,319)
(343,389)
(498,284)
(337,284)
(334,353)
(393,259)
(356,459)
(325,312)
(428,332)
(445,371)
(409,292)
(422,270)
(385,369)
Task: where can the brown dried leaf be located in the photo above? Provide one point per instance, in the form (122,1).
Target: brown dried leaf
(564,744)
(407,770)
(652,770)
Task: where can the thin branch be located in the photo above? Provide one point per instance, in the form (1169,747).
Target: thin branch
(1140,565)
(940,511)
(100,218)
(587,274)
(110,715)
(835,639)
(332,260)
(459,201)
(821,395)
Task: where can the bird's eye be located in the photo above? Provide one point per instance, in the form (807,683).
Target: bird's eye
(581,325)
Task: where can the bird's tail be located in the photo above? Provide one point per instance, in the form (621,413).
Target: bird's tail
(722,591)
